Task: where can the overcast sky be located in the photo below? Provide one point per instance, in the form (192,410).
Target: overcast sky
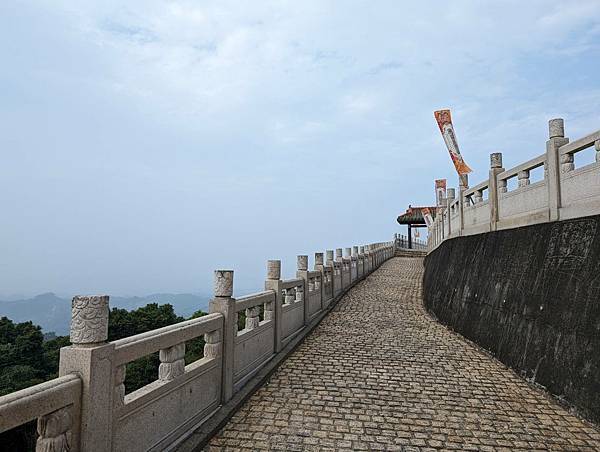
(146,143)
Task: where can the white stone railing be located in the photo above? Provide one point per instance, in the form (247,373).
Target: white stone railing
(564,191)
(159,413)
(87,409)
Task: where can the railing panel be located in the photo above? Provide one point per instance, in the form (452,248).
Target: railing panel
(346,272)
(292,311)
(314,293)
(337,278)
(156,415)
(477,215)
(580,191)
(182,395)
(525,205)
(327,286)
(255,344)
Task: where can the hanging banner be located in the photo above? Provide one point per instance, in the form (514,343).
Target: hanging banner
(444,121)
(440,192)
(427,216)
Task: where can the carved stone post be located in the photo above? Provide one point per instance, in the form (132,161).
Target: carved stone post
(329,257)
(338,266)
(302,262)
(361,261)
(463,186)
(493,188)
(449,200)
(319,265)
(319,261)
(597,147)
(224,303)
(302,272)
(273,282)
(354,263)
(90,356)
(556,139)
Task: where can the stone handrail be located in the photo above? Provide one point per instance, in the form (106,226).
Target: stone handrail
(565,192)
(55,405)
(86,408)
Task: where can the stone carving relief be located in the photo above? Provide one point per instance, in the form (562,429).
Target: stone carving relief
(89,319)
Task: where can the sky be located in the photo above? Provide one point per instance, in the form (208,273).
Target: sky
(144,144)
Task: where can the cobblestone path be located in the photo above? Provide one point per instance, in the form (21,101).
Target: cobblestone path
(379,374)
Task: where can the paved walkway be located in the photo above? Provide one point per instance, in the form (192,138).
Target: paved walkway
(379,374)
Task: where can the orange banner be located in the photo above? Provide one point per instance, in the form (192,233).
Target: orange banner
(427,216)
(444,120)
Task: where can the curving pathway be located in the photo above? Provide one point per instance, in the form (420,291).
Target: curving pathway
(379,374)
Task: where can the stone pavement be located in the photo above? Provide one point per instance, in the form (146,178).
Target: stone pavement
(379,374)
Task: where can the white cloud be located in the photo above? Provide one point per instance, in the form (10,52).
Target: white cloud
(193,111)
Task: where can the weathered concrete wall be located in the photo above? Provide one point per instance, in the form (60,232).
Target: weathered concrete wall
(531,296)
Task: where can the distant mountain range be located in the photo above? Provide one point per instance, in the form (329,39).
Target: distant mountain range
(53,313)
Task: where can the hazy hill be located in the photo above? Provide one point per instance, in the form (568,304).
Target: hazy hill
(53,313)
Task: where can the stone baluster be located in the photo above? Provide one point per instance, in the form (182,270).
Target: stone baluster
(269,310)
(495,186)
(523,177)
(54,430)
(213,344)
(556,139)
(172,362)
(478,196)
(597,147)
(299,293)
(120,373)
(89,356)
(252,317)
(567,163)
(224,303)
(273,282)
(290,295)
(502,186)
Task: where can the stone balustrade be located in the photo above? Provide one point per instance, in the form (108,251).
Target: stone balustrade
(565,191)
(87,408)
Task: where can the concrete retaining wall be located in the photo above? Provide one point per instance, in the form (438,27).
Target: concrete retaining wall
(531,296)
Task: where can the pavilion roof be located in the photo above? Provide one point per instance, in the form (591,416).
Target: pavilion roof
(414,215)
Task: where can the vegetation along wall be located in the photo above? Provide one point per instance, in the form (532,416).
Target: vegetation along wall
(531,296)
